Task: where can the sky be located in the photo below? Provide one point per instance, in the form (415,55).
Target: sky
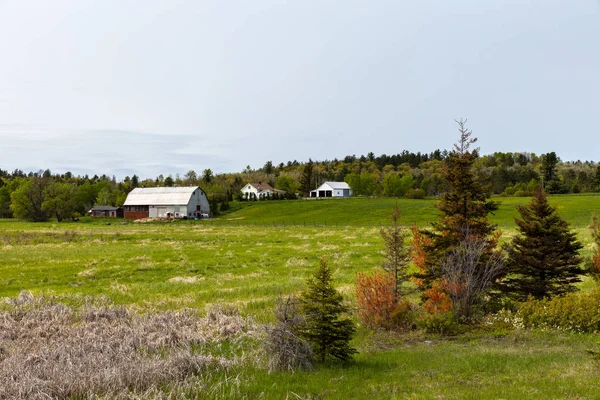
(149,87)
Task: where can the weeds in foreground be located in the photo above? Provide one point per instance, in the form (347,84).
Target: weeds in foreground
(48,350)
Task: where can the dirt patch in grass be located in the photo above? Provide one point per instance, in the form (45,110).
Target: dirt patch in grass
(186,279)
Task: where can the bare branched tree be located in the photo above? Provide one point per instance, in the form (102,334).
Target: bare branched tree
(465,137)
(285,349)
(468,273)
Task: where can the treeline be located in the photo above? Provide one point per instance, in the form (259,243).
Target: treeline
(42,195)
(417,175)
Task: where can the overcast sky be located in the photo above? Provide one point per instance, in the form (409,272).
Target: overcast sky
(149,87)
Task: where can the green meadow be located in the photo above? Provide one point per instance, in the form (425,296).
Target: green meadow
(250,257)
(366,211)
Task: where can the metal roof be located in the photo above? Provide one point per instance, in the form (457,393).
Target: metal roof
(160,196)
(335,185)
(104,208)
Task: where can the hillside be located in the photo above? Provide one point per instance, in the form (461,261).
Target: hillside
(364,211)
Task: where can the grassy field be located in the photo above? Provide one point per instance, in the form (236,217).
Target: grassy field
(576,209)
(252,256)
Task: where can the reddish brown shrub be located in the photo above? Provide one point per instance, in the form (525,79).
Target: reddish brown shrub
(375,298)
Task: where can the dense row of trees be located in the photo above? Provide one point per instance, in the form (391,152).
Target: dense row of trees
(406,174)
(39,197)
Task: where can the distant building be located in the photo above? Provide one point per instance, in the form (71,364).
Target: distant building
(260,190)
(106,211)
(332,189)
(166,202)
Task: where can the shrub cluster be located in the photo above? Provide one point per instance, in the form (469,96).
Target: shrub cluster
(575,312)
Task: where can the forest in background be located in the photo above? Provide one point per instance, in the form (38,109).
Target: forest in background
(42,195)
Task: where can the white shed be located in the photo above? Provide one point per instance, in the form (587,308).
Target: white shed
(166,202)
(332,189)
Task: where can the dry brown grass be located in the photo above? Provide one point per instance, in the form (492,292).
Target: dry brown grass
(49,350)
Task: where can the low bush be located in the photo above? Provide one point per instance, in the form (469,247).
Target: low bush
(441,323)
(415,194)
(573,312)
(377,308)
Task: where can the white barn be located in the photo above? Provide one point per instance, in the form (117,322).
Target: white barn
(332,189)
(166,202)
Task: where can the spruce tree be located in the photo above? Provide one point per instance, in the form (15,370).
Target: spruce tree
(464,207)
(397,254)
(328,333)
(307,177)
(543,259)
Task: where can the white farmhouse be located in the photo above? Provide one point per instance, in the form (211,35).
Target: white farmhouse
(259,190)
(332,189)
(166,202)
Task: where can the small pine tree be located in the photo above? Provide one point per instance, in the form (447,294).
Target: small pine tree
(543,259)
(322,307)
(397,254)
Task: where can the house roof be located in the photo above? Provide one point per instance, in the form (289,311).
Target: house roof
(104,208)
(261,187)
(335,185)
(160,196)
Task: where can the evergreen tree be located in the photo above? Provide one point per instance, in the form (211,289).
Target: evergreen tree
(543,260)
(397,254)
(549,163)
(307,177)
(464,207)
(207,175)
(268,168)
(324,329)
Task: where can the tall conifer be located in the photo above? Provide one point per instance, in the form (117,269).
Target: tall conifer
(306,180)
(464,207)
(543,259)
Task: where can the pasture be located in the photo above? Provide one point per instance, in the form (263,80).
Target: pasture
(250,257)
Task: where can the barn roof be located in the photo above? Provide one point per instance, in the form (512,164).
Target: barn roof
(335,185)
(160,196)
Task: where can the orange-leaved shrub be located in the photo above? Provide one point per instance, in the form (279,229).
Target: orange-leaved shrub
(377,306)
(375,298)
(436,300)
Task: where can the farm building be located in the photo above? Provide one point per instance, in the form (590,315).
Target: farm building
(332,189)
(166,202)
(260,190)
(106,211)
